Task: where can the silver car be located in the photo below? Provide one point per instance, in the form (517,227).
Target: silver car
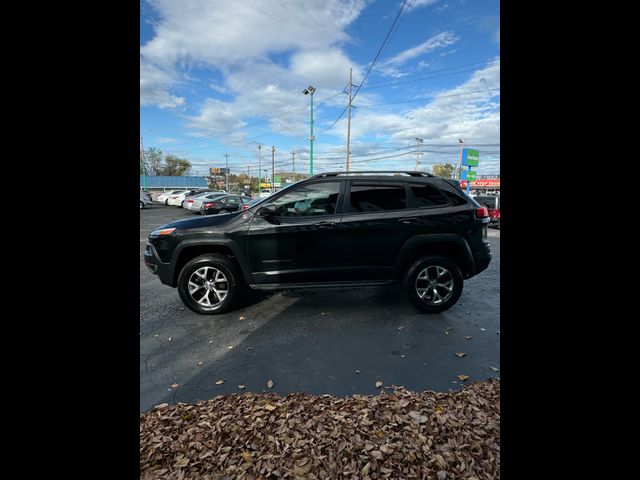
(190,199)
(200,199)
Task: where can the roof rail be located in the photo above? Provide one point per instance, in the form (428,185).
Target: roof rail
(335,174)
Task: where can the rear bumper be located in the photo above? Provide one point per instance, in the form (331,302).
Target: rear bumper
(164,271)
(482,258)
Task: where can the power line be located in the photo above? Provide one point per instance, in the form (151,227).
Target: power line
(387,38)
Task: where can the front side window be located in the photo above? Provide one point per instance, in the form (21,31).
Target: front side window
(309,200)
(376,198)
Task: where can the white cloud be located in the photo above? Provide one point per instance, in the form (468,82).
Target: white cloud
(466,111)
(420,3)
(239,38)
(154,85)
(440,40)
(222,32)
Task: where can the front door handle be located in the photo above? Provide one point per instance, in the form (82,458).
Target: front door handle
(408,220)
(325,224)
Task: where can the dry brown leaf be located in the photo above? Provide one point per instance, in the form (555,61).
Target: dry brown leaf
(270,384)
(460,354)
(494,369)
(220,382)
(269,407)
(401,327)
(175,385)
(468,337)
(242,387)
(246,456)
(241,318)
(379,384)
(463,377)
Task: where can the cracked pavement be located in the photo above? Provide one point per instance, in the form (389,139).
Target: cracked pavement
(312,341)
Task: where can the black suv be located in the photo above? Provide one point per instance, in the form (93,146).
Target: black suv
(330,230)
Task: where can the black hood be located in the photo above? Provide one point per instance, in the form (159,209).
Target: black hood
(203,221)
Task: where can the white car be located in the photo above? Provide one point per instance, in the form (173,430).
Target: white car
(265,193)
(176,198)
(164,196)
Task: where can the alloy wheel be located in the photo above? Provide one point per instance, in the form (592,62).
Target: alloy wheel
(208,287)
(434,285)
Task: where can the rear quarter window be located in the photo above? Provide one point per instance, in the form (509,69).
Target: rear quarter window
(428,196)
(376,198)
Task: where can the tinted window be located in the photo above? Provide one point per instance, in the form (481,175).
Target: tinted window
(310,200)
(428,196)
(369,198)
(233,200)
(489,202)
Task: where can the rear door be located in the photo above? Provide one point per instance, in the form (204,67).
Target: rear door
(380,218)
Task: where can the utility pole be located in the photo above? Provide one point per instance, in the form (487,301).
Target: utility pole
(349,119)
(273,165)
(418,142)
(142,166)
(259,167)
(226,172)
(293,159)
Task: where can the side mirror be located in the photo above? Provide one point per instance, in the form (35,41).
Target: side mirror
(268,210)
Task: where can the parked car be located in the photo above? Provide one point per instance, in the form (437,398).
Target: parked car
(164,196)
(265,193)
(224,204)
(198,201)
(493,206)
(176,198)
(330,230)
(189,200)
(145,199)
(251,203)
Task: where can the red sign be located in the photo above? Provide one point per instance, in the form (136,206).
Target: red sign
(487,183)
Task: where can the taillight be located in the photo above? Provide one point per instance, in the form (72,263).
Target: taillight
(189,201)
(245,207)
(207,205)
(482,212)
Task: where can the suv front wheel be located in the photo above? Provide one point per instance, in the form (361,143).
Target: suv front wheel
(433,283)
(209,284)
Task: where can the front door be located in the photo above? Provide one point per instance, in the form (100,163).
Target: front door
(297,245)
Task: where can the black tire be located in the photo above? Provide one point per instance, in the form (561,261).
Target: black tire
(228,267)
(166,202)
(453,274)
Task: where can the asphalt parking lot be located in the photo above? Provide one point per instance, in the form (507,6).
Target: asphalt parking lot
(334,341)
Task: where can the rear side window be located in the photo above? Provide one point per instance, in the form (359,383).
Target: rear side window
(428,196)
(489,202)
(376,198)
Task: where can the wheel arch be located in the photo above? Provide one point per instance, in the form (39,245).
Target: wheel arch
(452,246)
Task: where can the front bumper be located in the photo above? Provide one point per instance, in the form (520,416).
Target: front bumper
(157,266)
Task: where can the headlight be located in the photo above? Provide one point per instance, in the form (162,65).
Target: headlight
(164,231)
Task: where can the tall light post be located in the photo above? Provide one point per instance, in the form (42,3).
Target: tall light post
(461,142)
(307,91)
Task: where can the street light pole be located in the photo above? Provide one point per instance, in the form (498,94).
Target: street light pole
(259,168)
(143,168)
(310,90)
(461,141)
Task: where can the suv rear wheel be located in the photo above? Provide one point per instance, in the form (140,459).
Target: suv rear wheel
(433,283)
(209,284)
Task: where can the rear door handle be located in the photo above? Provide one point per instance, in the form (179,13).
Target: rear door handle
(408,220)
(325,224)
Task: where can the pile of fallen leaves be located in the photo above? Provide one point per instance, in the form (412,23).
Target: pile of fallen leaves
(393,435)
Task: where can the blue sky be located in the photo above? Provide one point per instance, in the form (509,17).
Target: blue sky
(223,76)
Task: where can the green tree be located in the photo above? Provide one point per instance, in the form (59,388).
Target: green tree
(175,166)
(153,161)
(444,170)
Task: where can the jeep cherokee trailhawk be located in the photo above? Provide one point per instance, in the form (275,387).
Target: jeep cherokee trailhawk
(330,230)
